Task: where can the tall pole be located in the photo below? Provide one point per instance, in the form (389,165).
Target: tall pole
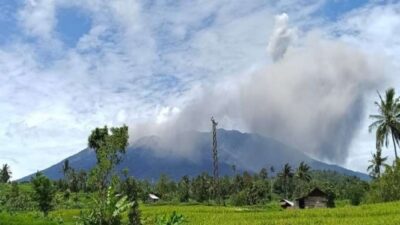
(215,156)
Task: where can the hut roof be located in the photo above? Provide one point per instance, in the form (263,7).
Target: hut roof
(316,192)
(285,202)
(154,197)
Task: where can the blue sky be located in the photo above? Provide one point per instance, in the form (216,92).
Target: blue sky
(69,66)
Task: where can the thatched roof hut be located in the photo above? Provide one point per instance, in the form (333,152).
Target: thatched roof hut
(316,198)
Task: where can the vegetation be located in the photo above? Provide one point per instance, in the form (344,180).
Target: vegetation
(271,214)
(5,174)
(387,122)
(108,144)
(44,192)
(103,197)
(376,164)
(173,219)
(108,212)
(387,187)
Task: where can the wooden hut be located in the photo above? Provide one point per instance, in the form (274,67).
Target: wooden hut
(314,199)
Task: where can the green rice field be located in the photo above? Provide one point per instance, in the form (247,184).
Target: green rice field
(374,214)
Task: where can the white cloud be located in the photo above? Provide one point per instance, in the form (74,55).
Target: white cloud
(38,18)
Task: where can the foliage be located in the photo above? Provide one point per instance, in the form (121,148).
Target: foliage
(376,163)
(387,122)
(5,174)
(108,212)
(286,176)
(184,189)
(109,145)
(387,187)
(131,190)
(173,219)
(44,192)
(201,186)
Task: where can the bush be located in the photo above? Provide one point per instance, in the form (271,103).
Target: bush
(44,192)
(173,219)
(387,187)
(106,212)
(239,199)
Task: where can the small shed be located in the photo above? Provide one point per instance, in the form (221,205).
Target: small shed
(314,199)
(286,203)
(153,198)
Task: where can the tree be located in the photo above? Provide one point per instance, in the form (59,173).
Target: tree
(5,174)
(286,174)
(131,190)
(303,172)
(302,180)
(66,168)
(272,169)
(257,193)
(233,166)
(162,185)
(109,145)
(376,163)
(201,186)
(184,189)
(387,122)
(43,192)
(387,187)
(263,174)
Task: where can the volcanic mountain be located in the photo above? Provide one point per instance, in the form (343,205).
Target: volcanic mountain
(148,157)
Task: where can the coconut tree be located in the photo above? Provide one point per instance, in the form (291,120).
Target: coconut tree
(376,163)
(387,121)
(286,174)
(303,172)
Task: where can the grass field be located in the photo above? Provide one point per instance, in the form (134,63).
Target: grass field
(377,214)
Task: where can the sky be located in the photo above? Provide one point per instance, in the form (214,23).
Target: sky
(68,66)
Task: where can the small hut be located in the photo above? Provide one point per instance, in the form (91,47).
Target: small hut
(153,198)
(314,199)
(286,203)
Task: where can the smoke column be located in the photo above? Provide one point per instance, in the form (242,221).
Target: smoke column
(311,97)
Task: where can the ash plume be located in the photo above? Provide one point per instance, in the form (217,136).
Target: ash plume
(281,37)
(311,97)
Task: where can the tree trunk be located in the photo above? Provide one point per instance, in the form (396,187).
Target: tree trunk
(286,188)
(394,144)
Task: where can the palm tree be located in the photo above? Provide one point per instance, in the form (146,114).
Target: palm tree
(387,122)
(303,172)
(286,174)
(66,167)
(272,169)
(376,163)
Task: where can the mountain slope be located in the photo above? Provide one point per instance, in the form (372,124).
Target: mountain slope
(148,157)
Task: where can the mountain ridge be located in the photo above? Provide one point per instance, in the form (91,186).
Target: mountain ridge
(148,157)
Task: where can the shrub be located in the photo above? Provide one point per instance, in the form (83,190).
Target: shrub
(108,212)
(173,219)
(239,199)
(44,192)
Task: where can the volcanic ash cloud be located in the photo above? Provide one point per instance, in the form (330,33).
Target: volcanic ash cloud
(311,97)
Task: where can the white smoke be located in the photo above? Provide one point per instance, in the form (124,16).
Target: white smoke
(281,37)
(312,98)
